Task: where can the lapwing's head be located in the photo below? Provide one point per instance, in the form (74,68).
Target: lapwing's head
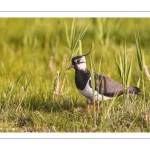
(79,62)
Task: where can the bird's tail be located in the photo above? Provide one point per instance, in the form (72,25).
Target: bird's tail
(133,90)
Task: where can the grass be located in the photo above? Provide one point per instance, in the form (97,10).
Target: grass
(38,94)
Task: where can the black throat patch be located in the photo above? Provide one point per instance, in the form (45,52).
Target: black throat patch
(81,78)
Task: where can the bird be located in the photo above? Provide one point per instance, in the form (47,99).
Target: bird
(105,87)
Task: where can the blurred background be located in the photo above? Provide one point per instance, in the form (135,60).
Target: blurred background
(40,44)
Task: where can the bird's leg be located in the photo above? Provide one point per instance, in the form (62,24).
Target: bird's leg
(90,107)
(98,108)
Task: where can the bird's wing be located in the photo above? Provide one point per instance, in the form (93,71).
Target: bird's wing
(107,86)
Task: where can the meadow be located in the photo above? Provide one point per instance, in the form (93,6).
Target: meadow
(38,94)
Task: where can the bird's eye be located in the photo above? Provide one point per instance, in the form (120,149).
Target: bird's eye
(78,61)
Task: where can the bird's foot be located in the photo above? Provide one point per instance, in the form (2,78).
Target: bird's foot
(90,107)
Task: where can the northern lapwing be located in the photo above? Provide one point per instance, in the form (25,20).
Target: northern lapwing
(105,87)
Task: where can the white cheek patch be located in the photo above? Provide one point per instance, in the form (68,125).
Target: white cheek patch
(81,66)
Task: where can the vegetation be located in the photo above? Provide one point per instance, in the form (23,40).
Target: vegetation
(38,94)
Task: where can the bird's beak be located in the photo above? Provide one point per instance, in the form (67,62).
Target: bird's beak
(72,66)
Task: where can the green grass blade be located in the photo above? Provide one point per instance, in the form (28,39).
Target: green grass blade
(120,66)
(10,88)
(138,50)
(110,106)
(93,87)
(139,81)
(29,82)
(67,34)
(108,109)
(129,73)
(100,30)
(99,66)
(80,47)
(82,34)
(72,35)
(17,80)
(125,65)
(92,72)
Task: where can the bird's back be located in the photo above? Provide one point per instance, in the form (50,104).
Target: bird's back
(109,87)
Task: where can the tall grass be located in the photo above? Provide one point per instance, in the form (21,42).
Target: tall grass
(74,40)
(125,71)
(141,60)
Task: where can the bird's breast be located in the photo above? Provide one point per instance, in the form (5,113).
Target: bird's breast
(81,79)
